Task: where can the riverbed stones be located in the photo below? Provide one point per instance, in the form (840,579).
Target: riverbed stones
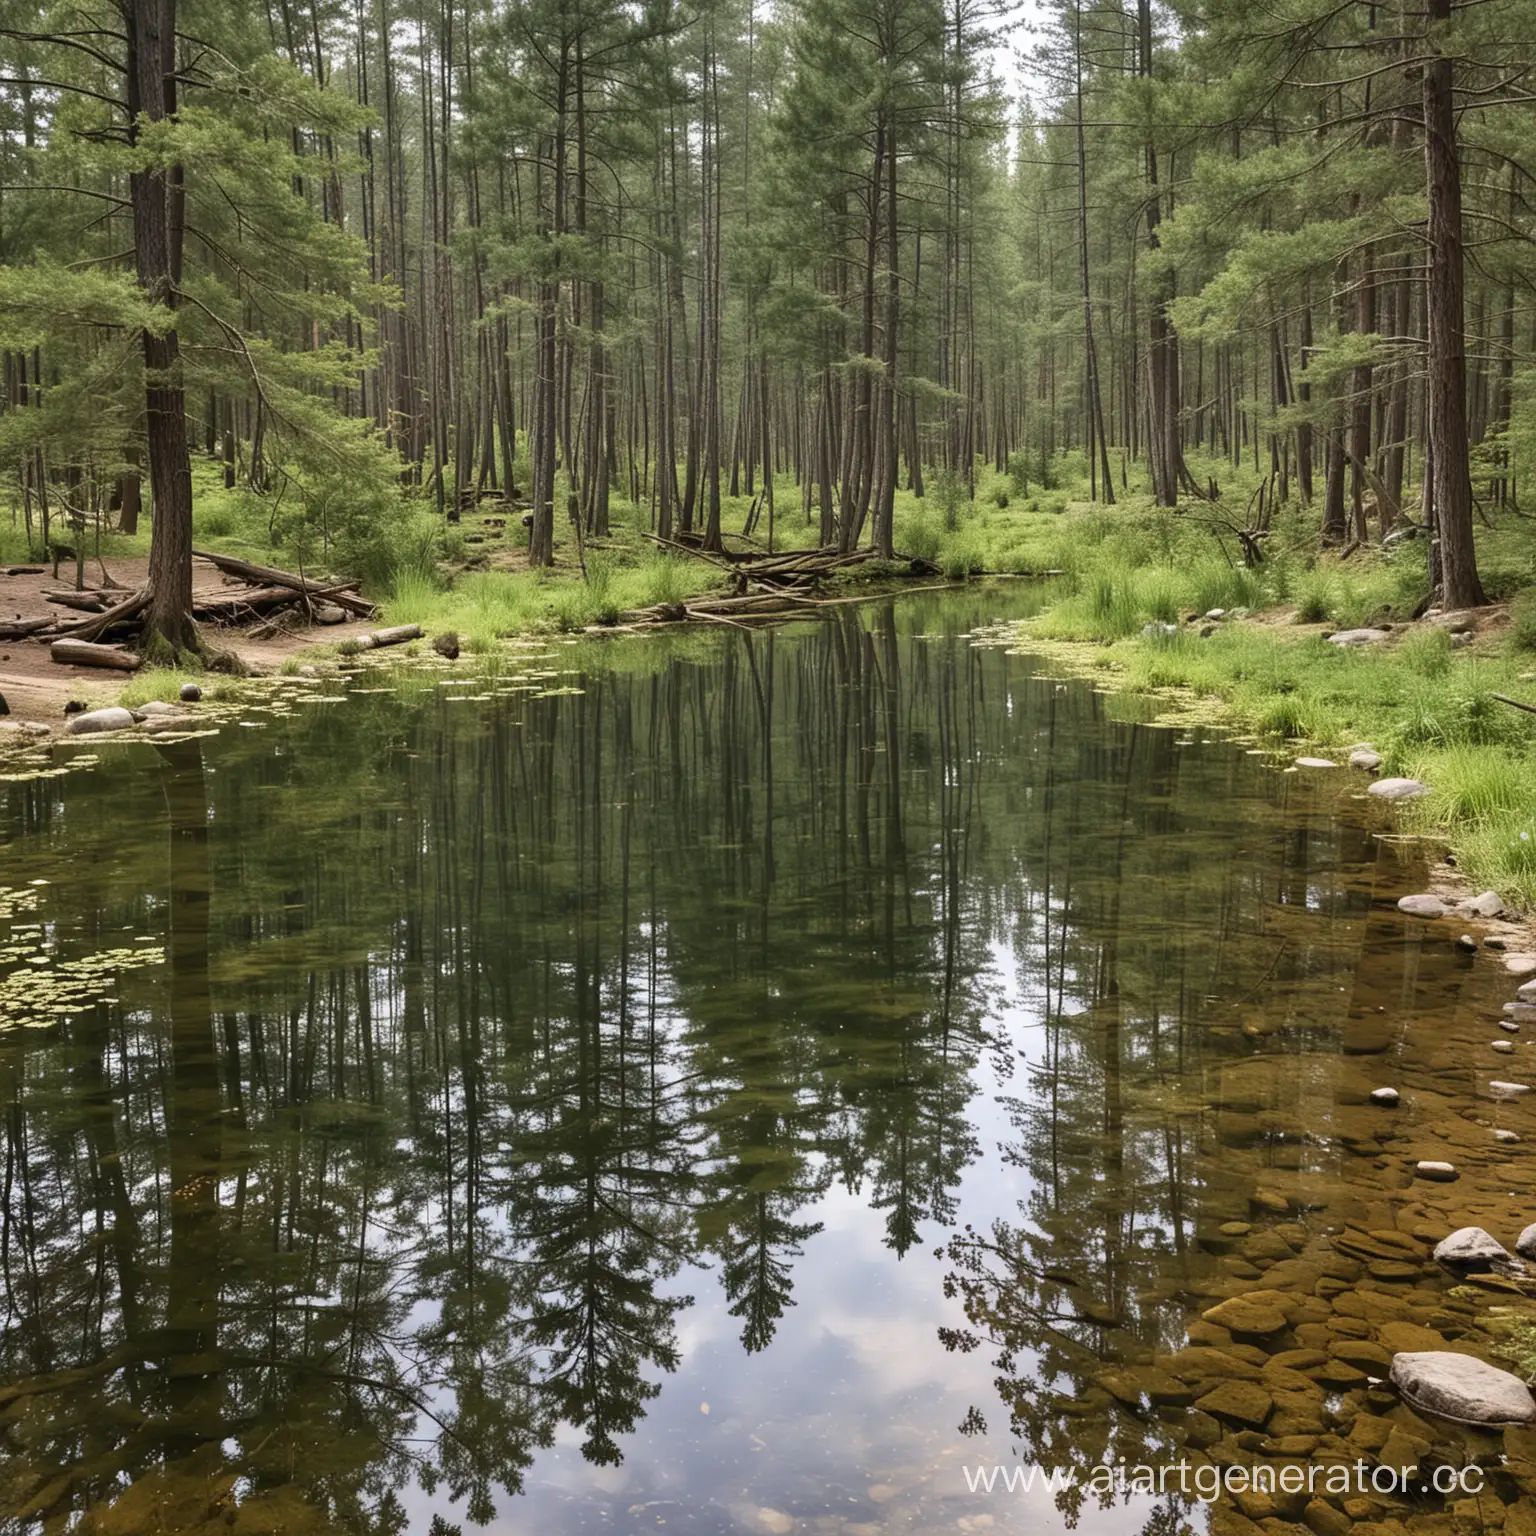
(1385,1098)
(1358,636)
(1505,1046)
(1315,762)
(155,707)
(1506,1136)
(1398,789)
(1425,905)
(1525,1244)
(1365,758)
(95,721)
(1486,904)
(1246,1317)
(1499,1090)
(1461,1387)
(1244,1403)
(1471,1250)
(1435,1171)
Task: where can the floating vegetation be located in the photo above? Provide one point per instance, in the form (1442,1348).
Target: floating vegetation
(42,991)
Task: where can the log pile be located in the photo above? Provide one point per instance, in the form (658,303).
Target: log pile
(259,595)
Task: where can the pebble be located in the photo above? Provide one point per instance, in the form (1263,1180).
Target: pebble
(1424,905)
(1520,964)
(1507,1137)
(1499,1090)
(1510,1026)
(1465,941)
(1386,1097)
(1315,762)
(1363,757)
(1506,1046)
(1398,789)
(1438,1173)
(190,693)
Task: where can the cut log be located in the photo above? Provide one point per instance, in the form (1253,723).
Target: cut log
(266,575)
(81,653)
(397,635)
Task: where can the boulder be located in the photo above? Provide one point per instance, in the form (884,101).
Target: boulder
(1462,1388)
(1471,1250)
(97,720)
(1422,906)
(1357,636)
(1366,758)
(1487,904)
(1398,789)
(190,693)
(1525,1244)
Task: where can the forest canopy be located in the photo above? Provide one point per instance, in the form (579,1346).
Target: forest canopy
(381,259)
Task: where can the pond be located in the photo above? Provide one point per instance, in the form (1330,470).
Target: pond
(727,1082)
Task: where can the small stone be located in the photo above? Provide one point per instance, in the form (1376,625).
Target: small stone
(1496,943)
(1525,1244)
(1386,1097)
(1504,1047)
(1499,1090)
(1247,1318)
(1422,906)
(1315,762)
(1466,943)
(1462,1387)
(329,613)
(1520,963)
(1509,1026)
(1437,1173)
(1398,789)
(97,720)
(1526,992)
(1507,1137)
(1216,613)
(1357,636)
(190,693)
(1488,904)
(1471,1250)
(1364,757)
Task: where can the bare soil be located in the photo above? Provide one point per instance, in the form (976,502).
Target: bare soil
(37,688)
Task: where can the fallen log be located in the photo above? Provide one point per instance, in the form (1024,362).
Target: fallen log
(86,602)
(267,575)
(82,653)
(396,635)
(97,625)
(19,629)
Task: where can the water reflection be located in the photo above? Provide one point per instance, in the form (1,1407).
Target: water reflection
(514,1060)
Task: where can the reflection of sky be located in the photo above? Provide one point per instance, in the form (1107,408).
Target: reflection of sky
(847,1424)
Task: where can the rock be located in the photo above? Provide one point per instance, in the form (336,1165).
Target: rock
(1525,1244)
(74,707)
(36,728)
(329,613)
(1245,1317)
(1357,636)
(1499,1090)
(1459,638)
(1471,1251)
(1421,906)
(1398,789)
(1437,1173)
(5,708)
(1363,757)
(1487,904)
(1322,1519)
(190,693)
(1315,762)
(155,707)
(1504,1047)
(446,645)
(1520,964)
(97,720)
(1459,1387)
(1387,1098)
(1526,992)
(1508,1138)
(1156,631)
(1238,1402)
(1466,943)
(162,724)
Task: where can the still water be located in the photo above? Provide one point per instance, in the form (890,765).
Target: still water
(718,1083)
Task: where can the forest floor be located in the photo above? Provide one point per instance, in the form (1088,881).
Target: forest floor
(36,688)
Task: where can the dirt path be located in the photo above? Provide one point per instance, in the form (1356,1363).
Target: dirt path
(36,688)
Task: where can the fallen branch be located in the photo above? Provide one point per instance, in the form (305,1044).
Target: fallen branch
(96,626)
(267,575)
(18,629)
(1530,709)
(397,635)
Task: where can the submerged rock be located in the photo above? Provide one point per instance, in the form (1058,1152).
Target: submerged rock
(1506,1046)
(1509,1137)
(1386,1097)
(1315,762)
(1465,942)
(96,720)
(1499,1090)
(1357,636)
(1460,1387)
(1422,906)
(155,707)
(1437,1173)
(1471,1250)
(1398,789)
(1525,1244)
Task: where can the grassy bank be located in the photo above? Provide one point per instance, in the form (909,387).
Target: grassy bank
(1420,698)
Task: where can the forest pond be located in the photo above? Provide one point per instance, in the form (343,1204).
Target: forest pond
(724,1082)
